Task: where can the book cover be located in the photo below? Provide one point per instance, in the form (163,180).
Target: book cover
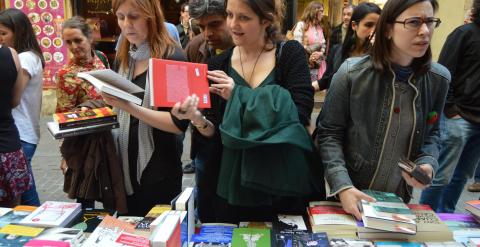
(172,81)
(330,213)
(107,233)
(110,82)
(13,216)
(397,244)
(21,230)
(473,207)
(4,211)
(168,233)
(150,217)
(256,224)
(52,214)
(248,237)
(68,235)
(185,202)
(91,218)
(75,119)
(55,131)
(429,228)
(13,240)
(46,243)
(132,220)
(127,239)
(212,233)
(345,242)
(443,244)
(388,213)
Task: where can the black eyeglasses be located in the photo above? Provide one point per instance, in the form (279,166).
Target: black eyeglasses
(415,23)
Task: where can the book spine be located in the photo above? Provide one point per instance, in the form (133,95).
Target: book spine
(86,131)
(86,122)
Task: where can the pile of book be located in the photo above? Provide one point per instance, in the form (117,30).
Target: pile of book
(75,123)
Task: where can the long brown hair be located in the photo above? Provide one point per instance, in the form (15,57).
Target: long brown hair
(161,44)
(382,48)
(309,17)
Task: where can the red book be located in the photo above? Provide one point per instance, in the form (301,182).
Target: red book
(172,81)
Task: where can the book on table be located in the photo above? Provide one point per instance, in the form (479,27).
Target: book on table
(110,82)
(113,232)
(473,206)
(167,233)
(329,217)
(76,119)
(185,202)
(172,81)
(430,228)
(17,235)
(388,213)
(53,214)
(74,237)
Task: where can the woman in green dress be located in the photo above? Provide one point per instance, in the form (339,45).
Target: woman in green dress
(261,105)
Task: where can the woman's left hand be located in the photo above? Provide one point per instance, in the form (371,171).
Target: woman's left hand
(115,101)
(223,85)
(426,168)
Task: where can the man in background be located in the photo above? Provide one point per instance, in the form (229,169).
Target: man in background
(338,33)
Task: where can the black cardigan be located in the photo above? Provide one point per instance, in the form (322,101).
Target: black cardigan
(292,73)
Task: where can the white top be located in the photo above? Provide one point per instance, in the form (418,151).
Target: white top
(27,114)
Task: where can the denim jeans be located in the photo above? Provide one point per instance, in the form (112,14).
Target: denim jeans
(30,197)
(477,174)
(459,156)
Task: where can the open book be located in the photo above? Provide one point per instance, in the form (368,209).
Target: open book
(106,80)
(172,81)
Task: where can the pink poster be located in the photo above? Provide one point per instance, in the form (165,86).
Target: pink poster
(47,17)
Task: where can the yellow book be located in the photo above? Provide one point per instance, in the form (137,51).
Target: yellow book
(21,230)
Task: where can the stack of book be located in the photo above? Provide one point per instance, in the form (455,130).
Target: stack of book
(75,123)
(330,217)
(429,228)
(388,213)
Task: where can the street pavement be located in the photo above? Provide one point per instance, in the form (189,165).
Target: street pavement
(49,178)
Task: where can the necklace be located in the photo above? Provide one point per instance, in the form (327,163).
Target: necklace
(254,65)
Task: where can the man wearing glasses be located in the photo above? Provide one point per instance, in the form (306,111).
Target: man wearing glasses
(460,121)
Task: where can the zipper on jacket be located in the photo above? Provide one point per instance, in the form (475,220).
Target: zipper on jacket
(388,128)
(414,116)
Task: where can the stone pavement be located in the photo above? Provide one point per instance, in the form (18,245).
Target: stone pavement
(49,178)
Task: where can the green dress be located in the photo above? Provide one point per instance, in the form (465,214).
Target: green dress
(267,152)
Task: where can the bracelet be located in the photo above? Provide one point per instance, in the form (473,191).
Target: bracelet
(204,126)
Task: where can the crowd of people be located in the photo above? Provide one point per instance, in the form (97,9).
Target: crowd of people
(253,152)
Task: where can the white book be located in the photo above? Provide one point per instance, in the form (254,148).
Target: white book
(168,233)
(59,134)
(185,202)
(70,235)
(108,81)
(4,211)
(53,214)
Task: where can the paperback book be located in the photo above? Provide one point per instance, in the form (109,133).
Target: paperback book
(76,119)
(108,81)
(172,81)
(53,214)
(388,213)
(60,134)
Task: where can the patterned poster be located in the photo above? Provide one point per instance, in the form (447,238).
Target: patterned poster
(47,17)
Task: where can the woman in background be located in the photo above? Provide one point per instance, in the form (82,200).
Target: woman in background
(312,32)
(147,136)
(16,32)
(15,177)
(357,42)
(384,107)
(71,90)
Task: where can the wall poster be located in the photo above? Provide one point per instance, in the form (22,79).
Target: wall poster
(47,17)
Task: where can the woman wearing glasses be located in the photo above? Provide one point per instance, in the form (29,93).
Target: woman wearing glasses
(384,107)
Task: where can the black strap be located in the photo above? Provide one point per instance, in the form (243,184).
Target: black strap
(279,52)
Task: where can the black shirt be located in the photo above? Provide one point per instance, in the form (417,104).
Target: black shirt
(9,138)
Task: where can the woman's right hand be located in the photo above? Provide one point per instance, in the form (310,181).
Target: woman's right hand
(223,84)
(350,199)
